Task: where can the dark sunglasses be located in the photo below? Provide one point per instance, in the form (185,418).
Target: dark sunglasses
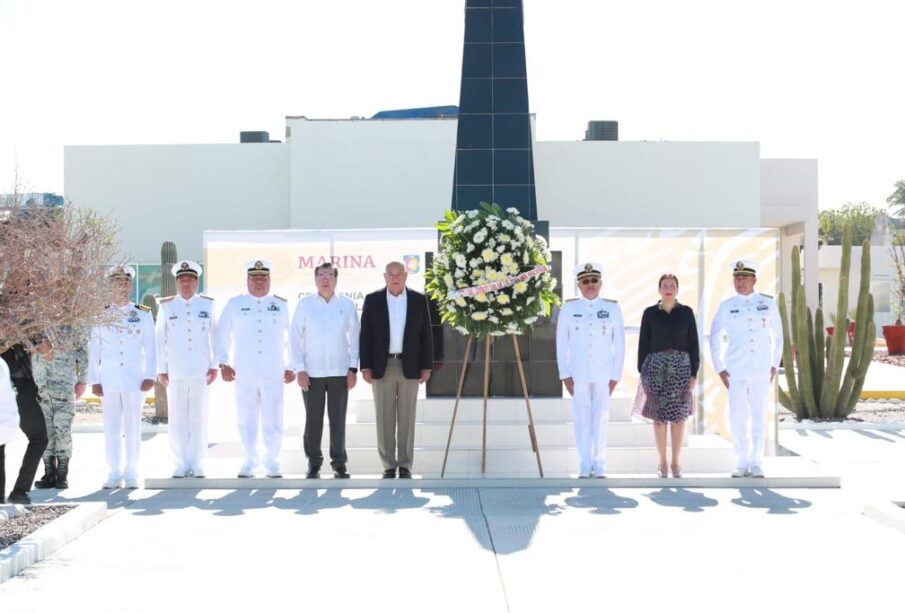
(590,281)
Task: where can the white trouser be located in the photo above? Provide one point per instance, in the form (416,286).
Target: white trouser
(591,413)
(122,417)
(187,411)
(747,414)
(260,400)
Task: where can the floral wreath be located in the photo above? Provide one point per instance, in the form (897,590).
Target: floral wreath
(491,275)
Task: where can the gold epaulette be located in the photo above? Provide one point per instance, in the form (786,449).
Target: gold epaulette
(142,307)
(280,298)
(167,299)
(610,300)
(205,297)
(766,296)
(571,299)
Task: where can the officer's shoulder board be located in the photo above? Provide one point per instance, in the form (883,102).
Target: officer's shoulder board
(767,296)
(280,298)
(142,307)
(610,300)
(205,297)
(167,299)
(571,300)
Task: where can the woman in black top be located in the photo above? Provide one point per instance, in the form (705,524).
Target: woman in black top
(668,360)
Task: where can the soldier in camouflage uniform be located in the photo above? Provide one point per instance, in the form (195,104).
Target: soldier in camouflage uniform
(61,377)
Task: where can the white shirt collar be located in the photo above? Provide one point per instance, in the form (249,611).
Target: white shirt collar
(404,294)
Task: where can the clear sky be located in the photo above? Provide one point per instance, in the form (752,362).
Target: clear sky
(805,78)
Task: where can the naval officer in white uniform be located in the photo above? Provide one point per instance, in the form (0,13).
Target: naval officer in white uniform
(590,350)
(747,363)
(186,366)
(121,368)
(253,351)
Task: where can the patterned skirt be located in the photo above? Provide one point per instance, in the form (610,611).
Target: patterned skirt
(663,394)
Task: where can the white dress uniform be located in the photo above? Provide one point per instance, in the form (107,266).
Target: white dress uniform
(590,348)
(121,356)
(753,329)
(253,338)
(185,353)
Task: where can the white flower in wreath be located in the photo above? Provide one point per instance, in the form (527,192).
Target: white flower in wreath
(461,261)
(462,330)
(505,238)
(503,299)
(526,257)
(491,242)
(497,333)
(488,254)
(506,259)
(501,249)
(507,312)
(472,214)
(494,319)
(480,236)
(530,320)
(461,284)
(512,210)
(469,247)
(512,327)
(519,232)
(519,288)
(529,300)
(460,301)
(482,298)
(479,315)
(475,262)
(451,307)
(459,273)
(448,279)
(508,224)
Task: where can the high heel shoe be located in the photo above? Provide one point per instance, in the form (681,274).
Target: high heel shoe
(676,471)
(662,472)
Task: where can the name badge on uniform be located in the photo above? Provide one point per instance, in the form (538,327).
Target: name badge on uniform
(174,317)
(133,317)
(733,311)
(273,307)
(763,307)
(245,309)
(602,314)
(204,315)
(576,315)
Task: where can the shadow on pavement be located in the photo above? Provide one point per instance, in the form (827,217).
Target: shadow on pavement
(601,501)
(775,504)
(693,502)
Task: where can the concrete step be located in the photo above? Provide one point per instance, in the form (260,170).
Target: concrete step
(499,433)
(704,454)
(544,410)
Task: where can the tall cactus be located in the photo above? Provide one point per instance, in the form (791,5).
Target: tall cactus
(151,302)
(820,389)
(168,257)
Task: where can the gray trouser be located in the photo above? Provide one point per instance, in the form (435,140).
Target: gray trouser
(394,401)
(335,393)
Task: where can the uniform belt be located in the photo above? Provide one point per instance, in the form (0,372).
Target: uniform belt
(395,356)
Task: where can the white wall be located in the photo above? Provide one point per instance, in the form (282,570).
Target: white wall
(175,192)
(789,201)
(371,174)
(648,184)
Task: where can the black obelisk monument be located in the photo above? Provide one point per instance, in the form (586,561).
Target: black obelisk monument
(495,163)
(494,159)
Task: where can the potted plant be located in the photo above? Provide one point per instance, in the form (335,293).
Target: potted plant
(895,334)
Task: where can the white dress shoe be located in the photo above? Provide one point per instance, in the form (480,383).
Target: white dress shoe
(739,472)
(111,484)
(246,472)
(274,474)
(756,471)
(179,473)
(131,484)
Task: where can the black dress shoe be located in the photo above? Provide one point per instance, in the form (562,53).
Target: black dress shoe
(389,473)
(18,497)
(314,472)
(340,472)
(404,473)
